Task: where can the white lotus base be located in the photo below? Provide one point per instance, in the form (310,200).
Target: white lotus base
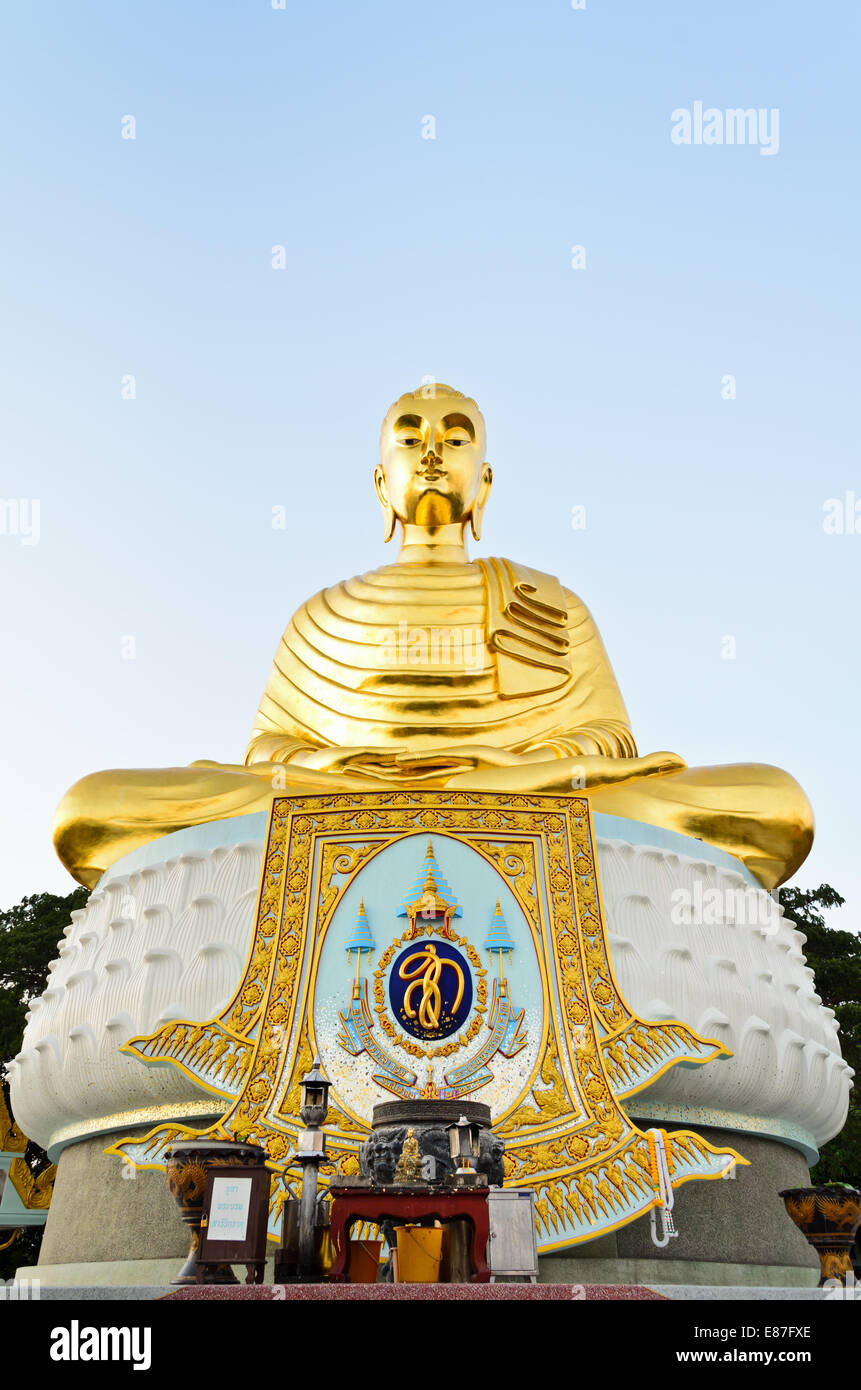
(165,935)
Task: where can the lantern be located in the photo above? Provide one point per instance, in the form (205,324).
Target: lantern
(463,1144)
(315,1096)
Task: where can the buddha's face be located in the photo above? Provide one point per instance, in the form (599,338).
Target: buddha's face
(432,466)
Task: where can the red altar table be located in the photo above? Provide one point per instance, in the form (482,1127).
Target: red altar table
(402,1204)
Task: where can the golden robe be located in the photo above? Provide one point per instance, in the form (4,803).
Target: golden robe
(430,658)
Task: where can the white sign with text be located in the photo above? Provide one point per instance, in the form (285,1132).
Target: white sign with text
(229,1208)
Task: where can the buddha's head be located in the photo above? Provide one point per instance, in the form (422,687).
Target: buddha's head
(432,471)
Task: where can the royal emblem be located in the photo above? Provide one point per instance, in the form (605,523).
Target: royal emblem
(431,990)
(423,1008)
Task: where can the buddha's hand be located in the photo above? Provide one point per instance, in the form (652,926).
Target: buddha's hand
(371,762)
(460,757)
(566,774)
(604,772)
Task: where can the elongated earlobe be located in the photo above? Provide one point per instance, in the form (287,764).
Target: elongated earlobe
(389,517)
(477,513)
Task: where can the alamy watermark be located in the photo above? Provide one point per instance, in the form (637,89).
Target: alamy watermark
(20,516)
(735,126)
(19,1291)
(709,907)
(432,646)
(842,515)
(77,1343)
(848,1292)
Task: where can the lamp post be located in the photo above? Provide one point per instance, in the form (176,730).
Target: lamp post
(311,1151)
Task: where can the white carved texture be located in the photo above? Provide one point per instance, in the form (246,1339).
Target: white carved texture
(164,942)
(170,941)
(718,968)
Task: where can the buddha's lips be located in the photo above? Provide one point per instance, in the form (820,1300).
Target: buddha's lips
(431,475)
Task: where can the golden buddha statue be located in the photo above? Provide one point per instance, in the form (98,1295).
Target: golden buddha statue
(438,672)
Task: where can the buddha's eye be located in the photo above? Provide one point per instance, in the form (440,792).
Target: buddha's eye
(410,442)
(456,443)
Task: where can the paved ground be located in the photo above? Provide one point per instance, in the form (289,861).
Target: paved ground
(437,1293)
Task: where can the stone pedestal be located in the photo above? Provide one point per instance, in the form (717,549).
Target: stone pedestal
(428,1120)
(731,1231)
(100,1218)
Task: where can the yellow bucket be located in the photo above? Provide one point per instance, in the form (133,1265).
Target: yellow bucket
(419,1254)
(364,1261)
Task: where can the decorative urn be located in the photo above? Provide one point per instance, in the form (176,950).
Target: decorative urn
(188,1162)
(829,1217)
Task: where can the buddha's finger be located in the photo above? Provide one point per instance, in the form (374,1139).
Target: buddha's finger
(368,757)
(407,755)
(566,775)
(372,774)
(241,769)
(424,762)
(592,772)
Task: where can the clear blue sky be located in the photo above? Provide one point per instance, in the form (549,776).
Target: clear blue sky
(408,257)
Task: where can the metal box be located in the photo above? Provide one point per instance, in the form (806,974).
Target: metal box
(512,1250)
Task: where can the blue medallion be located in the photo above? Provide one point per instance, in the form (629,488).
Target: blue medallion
(430,989)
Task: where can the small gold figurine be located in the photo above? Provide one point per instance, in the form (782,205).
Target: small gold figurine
(409,1167)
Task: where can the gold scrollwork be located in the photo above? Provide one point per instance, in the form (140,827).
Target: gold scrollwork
(35,1192)
(515,861)
(570,1141)
(550,1102)
(339,861)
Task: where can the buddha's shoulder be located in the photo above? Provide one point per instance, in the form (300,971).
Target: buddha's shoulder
(394,585)
(496,578)
(516,576)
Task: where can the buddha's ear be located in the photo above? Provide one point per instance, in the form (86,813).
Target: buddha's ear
(480,502)
(389,517)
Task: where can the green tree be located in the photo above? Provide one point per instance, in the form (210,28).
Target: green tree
(29,934)
(835,959)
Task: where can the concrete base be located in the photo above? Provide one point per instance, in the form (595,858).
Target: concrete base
(89,1293)
(109,1274)
(730,1231)
(694,1273)
(722,1293)
(104,1210)
(116,1274)
(416,1293)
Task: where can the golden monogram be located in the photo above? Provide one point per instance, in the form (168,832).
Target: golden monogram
(427,974)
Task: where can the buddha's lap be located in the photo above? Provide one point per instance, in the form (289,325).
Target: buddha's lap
(758,813)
